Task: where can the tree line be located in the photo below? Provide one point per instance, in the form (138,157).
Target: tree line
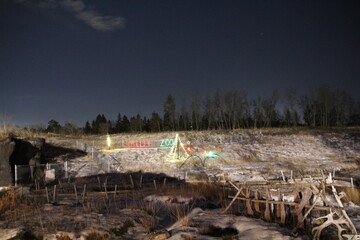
(232,109)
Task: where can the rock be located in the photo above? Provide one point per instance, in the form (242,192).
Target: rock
(94,234)
(27,152)
(60,235)
(12,233)
(158,235)
(6,149)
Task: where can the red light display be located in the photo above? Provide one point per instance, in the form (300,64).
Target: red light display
(143,143)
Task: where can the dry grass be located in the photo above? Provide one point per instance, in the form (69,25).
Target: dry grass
(180,214)
(352,194)
(148,222)
(97,236)
(199,191)
(123,229)
(8,202)
(63,237)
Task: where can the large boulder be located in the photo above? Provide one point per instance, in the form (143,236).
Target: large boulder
(14,151)
(6,149)
(28,152)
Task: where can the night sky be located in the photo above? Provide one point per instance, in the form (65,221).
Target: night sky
(70,60)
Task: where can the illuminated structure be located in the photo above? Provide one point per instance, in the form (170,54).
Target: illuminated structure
(178,152)
(108,140)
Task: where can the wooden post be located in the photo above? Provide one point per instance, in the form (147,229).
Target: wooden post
(164,182)
(77,200)
(283,177)
(291,174)
(106,194)
(47,195)
(257,204)
(282,213)
(83,195)
(155,183)
(352,182)
(60,185)
(99,182)
(54,196)
(115,193)
(267,215)
(131,180)
(66,169)
(248,203)
(141,178)
(16,175)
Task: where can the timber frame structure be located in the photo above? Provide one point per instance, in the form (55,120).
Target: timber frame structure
(297,202)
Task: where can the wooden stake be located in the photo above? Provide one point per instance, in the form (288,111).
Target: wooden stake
(60,186)
(267,211)
(164,182)
(47,195)
(282,213)
(83,195)
(115,193)
(283,177)
(141,178)
(256,204)
(99,182)
(131,180)
(155,183)
(106,193)
(248,203)
(54,196)
(77,200)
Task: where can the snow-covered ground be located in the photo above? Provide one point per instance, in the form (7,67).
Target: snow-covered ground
(242,154)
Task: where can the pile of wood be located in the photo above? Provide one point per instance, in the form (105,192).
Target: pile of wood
(312,201)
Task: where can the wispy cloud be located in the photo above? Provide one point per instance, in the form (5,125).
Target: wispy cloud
(88,15)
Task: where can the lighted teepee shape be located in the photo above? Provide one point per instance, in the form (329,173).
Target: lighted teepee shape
(177,152)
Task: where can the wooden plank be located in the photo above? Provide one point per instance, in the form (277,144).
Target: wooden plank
(232,201)
(248,203)
(285,203)
(306,195)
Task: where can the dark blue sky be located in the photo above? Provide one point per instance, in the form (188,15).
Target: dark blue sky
(69,60)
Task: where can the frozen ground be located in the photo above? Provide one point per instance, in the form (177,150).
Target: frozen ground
(243,154)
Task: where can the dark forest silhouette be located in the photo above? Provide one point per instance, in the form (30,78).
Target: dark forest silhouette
(232,109)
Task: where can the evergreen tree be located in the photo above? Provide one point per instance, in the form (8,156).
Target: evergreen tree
(53,126)
(125,124)
(155,122)
(169,114)
(118,124)
(146,125)
(87,129)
